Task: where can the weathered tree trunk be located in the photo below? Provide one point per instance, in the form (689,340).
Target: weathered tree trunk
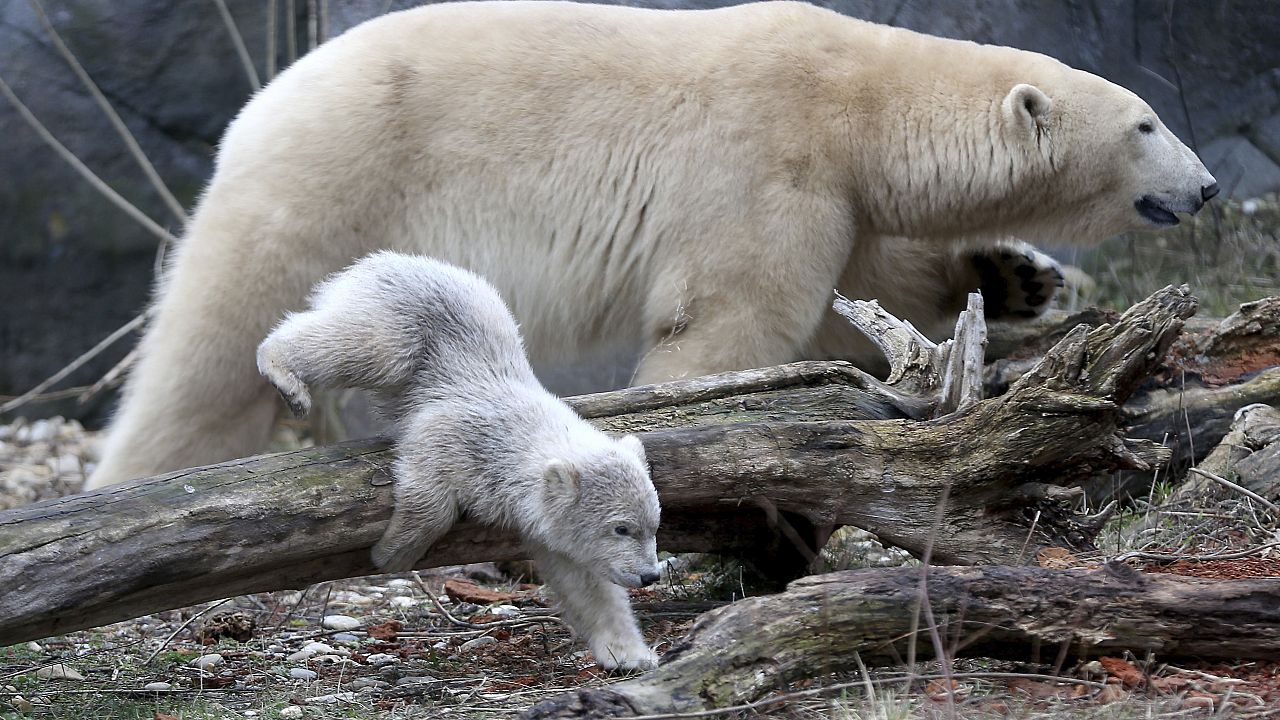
(729,453)
(828,623)
(1249,454)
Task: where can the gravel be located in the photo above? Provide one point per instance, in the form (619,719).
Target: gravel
(44,459)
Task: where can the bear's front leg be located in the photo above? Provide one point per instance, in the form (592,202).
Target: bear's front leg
(1016,280)
(597,610)
(424,511)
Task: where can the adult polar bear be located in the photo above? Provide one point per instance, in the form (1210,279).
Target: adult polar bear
(693,181)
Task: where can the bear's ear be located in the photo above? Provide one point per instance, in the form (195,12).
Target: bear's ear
(563,479)
(633,445)
(1026,107)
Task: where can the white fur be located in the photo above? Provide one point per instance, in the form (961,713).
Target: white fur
(688,183)
(477,435)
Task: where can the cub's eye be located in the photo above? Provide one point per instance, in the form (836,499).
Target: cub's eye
(1146,126)
(622,530)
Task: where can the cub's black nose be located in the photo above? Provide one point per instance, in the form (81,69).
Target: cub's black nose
(649,579)
(1209,192)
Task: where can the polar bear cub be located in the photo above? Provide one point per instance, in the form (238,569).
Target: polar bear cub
(477,435)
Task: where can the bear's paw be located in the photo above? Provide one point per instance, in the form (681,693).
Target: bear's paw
(1016,281)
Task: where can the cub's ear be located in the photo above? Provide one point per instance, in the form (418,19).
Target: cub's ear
(563,480)
(633,444)
(1026,107)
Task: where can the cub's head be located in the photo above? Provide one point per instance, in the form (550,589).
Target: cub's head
(1115,166)
(603,511)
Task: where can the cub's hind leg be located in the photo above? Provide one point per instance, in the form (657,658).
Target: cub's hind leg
(336,347)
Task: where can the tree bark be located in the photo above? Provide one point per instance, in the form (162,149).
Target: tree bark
(829,623)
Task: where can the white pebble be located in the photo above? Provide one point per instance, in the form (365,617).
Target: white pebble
(440,645)
(300,656)
(482,641)
(381,659)
(302,674)
(340,622)
(505,611)
(204,662)
(291,713)
(400,601)
(34,646)
(399,583)
(157,686)
(59,672)
(1249,207)
(344,638)
(43,430)
(65,464)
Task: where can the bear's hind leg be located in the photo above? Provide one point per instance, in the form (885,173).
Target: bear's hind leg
(597,610)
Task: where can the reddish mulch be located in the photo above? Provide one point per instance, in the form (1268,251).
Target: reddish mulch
(1250,567)
(1221,371)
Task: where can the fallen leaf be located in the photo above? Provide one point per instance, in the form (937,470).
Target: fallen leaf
(1126,672)
(1056,558)
(463,591)
(386,631)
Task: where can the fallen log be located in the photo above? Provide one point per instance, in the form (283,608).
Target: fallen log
(830,623)
(731,454)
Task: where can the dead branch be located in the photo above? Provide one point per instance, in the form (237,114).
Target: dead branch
(829,623)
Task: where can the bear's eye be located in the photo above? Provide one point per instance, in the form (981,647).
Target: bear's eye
(622,530)
(1146,126)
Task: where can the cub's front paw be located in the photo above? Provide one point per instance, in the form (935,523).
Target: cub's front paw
(391,558)
(621,653)
(1016,281)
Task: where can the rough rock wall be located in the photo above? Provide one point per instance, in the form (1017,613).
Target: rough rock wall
(72,267)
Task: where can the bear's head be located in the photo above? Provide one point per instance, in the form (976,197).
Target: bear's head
(602,510)
(987,142)
(1106,160)
(1109,157)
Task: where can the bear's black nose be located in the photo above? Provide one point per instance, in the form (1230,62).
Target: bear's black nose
(1208,192)
(649,579)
